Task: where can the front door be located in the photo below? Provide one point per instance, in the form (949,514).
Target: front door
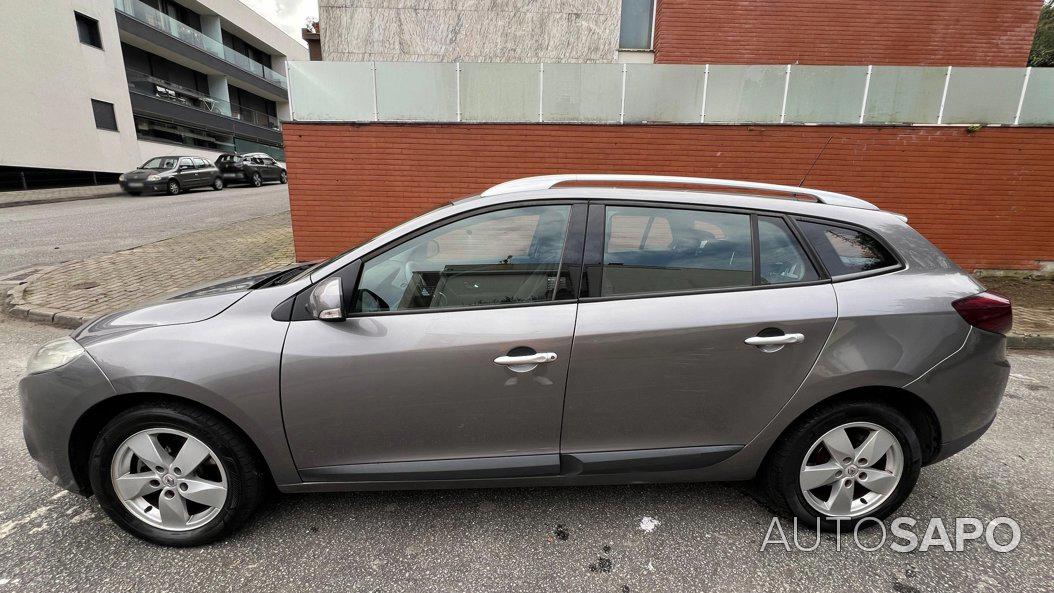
(453,361)
(689,338)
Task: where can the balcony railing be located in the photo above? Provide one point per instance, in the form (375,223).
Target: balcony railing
(144,84)
(191,36)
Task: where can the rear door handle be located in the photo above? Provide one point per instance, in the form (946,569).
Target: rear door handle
(529,359)
(775,340)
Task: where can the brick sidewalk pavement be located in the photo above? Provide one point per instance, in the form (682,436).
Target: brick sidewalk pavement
(72,292)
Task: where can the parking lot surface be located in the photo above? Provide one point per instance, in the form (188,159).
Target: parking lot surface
(679,537)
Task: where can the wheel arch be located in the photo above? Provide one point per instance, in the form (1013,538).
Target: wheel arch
(88,425)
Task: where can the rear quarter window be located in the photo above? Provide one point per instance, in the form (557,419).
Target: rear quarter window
(846,251)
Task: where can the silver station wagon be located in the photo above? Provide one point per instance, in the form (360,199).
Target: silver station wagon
(557,330)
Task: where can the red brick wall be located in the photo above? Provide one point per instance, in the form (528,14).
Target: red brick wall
(847,32)
(986,198)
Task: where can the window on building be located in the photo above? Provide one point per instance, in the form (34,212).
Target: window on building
(105,119)
(157,130)
(649,250)
(635,30)
(497,258)
(88,30)
(846,251)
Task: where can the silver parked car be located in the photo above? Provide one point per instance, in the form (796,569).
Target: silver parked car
(540,334)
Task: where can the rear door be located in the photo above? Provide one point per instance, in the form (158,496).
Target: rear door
(204,171)
(453,361)
(686,338)
(187,173)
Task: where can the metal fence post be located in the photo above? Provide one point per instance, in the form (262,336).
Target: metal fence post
(867,89)
(622,104)
(706,83)
(944,95)
(786,87)
(1021,99)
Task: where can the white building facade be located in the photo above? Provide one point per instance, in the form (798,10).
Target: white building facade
(94,87)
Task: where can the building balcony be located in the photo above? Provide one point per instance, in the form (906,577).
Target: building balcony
(155,97)
(194,38)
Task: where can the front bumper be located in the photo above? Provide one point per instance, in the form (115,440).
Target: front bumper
(145,187)
(52,402)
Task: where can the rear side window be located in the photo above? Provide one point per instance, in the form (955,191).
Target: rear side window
(649,250)
(846,251)
(782,259)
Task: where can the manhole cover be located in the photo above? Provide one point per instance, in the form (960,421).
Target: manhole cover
(84,285)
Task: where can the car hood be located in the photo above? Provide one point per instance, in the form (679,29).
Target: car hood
(192,305)
(143,173)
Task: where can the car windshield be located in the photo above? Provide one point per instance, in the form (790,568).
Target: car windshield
(160,163)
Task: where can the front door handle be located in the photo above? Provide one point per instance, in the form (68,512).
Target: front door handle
(775,340)
(526,360)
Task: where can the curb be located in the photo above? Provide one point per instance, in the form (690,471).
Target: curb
(15,305)
(1030,342)
(32,202)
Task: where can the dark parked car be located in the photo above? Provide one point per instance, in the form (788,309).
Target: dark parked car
(171,174)
(253,168)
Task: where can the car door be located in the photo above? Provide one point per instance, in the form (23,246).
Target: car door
(272,168)
(187,173)
(453,360)
(685,337)
(203,172)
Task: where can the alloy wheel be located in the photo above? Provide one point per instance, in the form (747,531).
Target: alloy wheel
(169,479)
(257,181)
(173,187)
(851,470)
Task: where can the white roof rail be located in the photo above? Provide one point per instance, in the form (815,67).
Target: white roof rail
(549,181)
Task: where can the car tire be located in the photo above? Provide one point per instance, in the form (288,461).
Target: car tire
(256,180)
(230,461)
(173,188)
(804,449)
(217,183)
(284,178)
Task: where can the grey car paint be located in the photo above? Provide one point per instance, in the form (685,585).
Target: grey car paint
(225,352)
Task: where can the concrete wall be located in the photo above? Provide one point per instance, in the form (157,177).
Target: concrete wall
(983,197)
(493,31)
(49,78)
(889,32)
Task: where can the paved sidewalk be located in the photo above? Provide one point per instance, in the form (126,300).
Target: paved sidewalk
(73,292)
(9,199)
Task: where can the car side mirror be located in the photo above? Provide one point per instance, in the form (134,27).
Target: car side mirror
(326,302)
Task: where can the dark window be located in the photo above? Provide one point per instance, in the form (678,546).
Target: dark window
(846,251)
(88,30)
(782,259)
(151,129)
(667,250)
(104,115)
(635,26)
(503,257)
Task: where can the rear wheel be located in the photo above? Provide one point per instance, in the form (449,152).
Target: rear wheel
(175,475)
(256,180)
(217,184)
(283,177)
(851,461)
(173,187)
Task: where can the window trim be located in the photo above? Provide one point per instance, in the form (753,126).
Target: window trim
(595,246)
(77,15)
(899,266)
(572,248)
(651,37)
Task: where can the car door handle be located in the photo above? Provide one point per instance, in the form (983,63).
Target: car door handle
(775,340)
(537,358)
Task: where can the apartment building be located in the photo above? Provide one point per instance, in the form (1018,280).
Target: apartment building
(95,87)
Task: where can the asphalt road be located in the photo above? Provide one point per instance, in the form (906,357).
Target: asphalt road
(53,233)
(708,536)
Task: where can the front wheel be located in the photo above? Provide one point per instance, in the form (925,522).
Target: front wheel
(174,475)
(849,461)
(217,184)
(173,187)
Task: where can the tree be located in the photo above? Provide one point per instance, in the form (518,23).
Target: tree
(1043,43)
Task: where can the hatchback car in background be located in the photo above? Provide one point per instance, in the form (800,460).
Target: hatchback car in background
(171,175)
(824,348)
(253,168)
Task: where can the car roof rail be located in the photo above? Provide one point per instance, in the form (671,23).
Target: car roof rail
(550,181)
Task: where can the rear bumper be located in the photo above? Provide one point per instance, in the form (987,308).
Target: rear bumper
(952,447)
(52,402)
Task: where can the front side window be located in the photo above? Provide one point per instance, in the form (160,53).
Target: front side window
(846,251)
(502,257)
(161,163)
(636,24)
(654,250)
(782,257)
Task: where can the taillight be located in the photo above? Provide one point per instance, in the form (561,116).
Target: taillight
(988,311)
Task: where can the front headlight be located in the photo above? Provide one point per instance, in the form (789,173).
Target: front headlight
(121,178)
(53,355)
(154,178)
